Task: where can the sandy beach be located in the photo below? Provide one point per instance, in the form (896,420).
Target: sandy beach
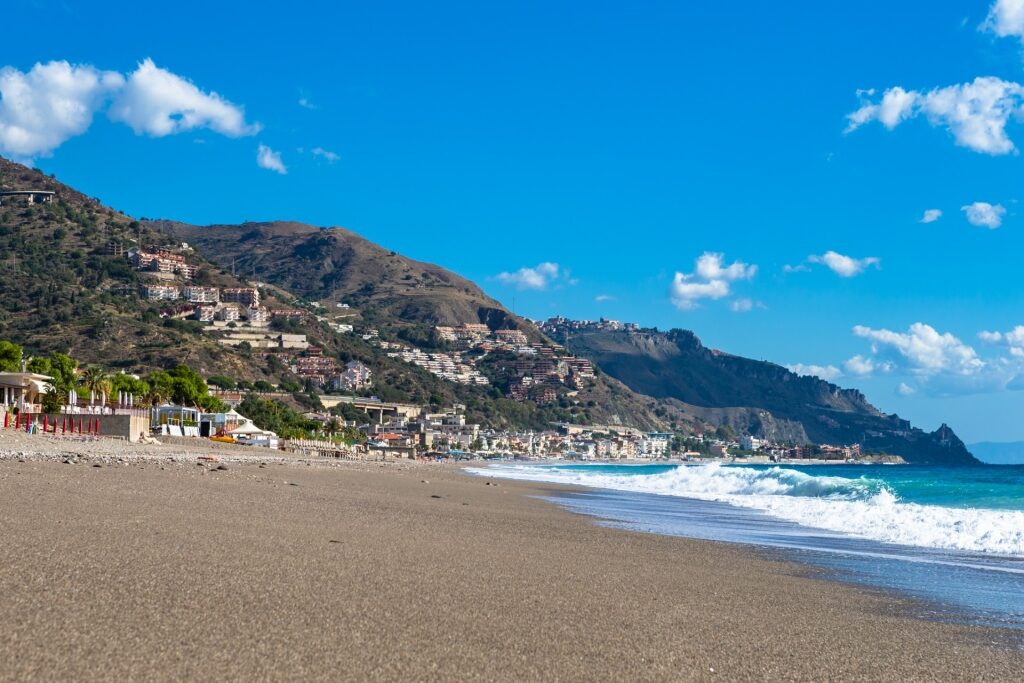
(154,566)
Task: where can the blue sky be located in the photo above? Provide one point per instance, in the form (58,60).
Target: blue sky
(581,158)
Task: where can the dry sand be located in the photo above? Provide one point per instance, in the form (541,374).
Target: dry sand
(157,569)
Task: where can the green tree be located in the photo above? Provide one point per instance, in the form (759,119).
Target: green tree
(221,382)
(188,386)
(63,369)
(263,386)
(53,400)
(129,384)
(10,357)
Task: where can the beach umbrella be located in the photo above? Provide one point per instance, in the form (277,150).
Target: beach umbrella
(96,430)
(79,426)
(46,423)
(7,419)
(17,421)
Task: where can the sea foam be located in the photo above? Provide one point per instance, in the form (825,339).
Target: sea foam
(861,507)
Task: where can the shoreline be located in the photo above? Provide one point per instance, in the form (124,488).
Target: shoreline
(161,569)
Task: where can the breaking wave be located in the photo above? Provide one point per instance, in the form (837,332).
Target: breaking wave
(861,507)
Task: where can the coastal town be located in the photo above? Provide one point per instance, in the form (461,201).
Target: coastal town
(88,401)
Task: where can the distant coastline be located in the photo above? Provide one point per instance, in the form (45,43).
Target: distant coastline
(998,452)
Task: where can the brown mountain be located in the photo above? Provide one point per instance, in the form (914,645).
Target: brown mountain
(332,265)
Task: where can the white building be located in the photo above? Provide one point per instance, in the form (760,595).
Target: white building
(257,315)
(206,314)
(161,292)
(201,295)
(354,376)
(749,443)
(229,313)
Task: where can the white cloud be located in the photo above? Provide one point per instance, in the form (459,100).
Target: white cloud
(741,305)
(1005,19)
(943,365)
(157,102)
(829,373)
(905,389)
(306,104)
(798,268)
(601,298)
(990,337)
(710,280)
(975,113)
(744,305)
(930,216)
(43,108)
(844,266)
(329,156)
(925,350)
(859,366)
(270,160)
(537,277)
(709,267)
(1013,340)
(984,215)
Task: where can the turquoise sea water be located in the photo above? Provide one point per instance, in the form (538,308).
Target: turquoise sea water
(953,536)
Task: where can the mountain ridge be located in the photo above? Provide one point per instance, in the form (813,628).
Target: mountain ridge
(676,366)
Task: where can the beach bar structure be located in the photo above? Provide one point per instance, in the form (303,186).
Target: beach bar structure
(34,196)
(174,420)
(23,389)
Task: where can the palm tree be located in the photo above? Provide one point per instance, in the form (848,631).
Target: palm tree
(157,394)
(97,381)
(332,427)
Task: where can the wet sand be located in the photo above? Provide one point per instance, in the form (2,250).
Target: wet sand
(161,570)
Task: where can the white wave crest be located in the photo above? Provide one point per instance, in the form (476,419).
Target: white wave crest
(857,507)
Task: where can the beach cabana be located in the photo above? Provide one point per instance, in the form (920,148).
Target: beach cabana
(250,434)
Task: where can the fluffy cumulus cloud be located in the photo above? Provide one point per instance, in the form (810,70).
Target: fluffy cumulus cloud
(974,113)
(270,160)
(984,215)
(859,366)
(1005,19)
(1013,340)
(711,279)
(538,277)
(931,215)
(44,107)
(905,389)
(156,102)
(829,373)
(844,266)
(941,363)
(925,350)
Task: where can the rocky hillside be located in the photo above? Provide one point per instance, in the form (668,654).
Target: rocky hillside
(71,289)
(332,265)
(757,397)
(69,286)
